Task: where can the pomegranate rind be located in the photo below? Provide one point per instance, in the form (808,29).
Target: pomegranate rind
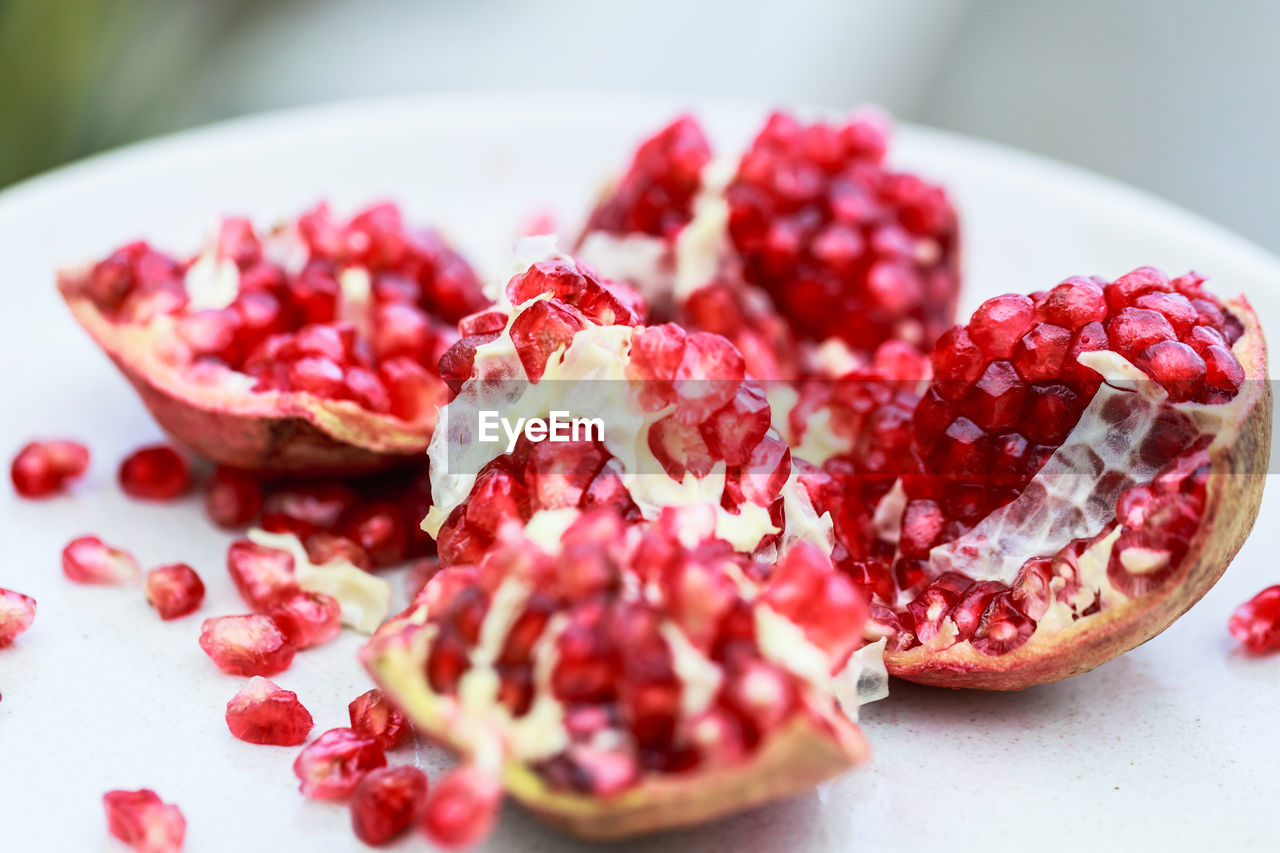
(1239,455)
(267,431)
(815,745)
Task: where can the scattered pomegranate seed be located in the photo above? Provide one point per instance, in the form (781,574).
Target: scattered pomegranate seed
(461,808)
(324,547)
(174,590)
(373,715)
(331,766)
(1256,623)
(144,822)
(379,528)
(261,574)
(89,560)
(262,712)
(155,473)
(307,619)
(246,645)
(385,802)
(43,468)
(17,612)
(234,498)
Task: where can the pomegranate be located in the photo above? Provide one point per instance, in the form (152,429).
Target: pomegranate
(174,591)
(374,715)
(309,348)
(144,822)
(246,645)
(44,468)
(385,802)
(17,612)
(155,473)
(1256,623)
(1079,470)
(265,713)
(810,236)
(88,559)
(330,767)
(621,675)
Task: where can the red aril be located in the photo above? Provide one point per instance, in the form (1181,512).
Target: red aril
(44,468)
(385,802)
(372,714)
(461,808)
(265,713)
(307,619)
(144,822)
(246,645)
(379,530)
(89,560)
(234,498)
(325,547)
(174,590)
(17,612)
(155,473)
(261,574)
(330,767)
(1256,623)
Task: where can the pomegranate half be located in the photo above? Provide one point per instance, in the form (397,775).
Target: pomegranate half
(312,348)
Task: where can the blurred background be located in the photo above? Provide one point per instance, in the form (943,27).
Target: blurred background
(1176,96)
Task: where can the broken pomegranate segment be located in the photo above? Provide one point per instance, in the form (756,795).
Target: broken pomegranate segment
(621,676)
(1072,478)
(1256,623)
(374,715)
(307,619)
(265,713)
(174,591)
(17,612)
(88,559)
(43,468)
(461,809)
(311,347)
(144,822)
(330,767)
(385,802)
(246,645)
(810,235)
(156,473)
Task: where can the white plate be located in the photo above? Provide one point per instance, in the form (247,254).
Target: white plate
(1173,744)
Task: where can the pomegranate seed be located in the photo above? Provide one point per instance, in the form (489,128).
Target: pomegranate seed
(379,529)
(307,619)
(265,713)
(331,766)
(320,506)
(89,560)
(246,645)
(261,574)
(155,473)
(234,498)
(385,802)
(17,612)
(144,822)
(43,468)
(373,715)
(174,590)
(325,548)
(1256,623)
(461,808)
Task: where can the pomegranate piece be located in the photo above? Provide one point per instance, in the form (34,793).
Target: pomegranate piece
(326,363)
(330,767)
(325,547)
(461,808)
(265,713)
(144,822)
(1256,623)
(234,498)
(44,468)
(89,560)
(261,574)
(17,612)
(380,531)
(246,645)
(155,473)
(373,715)
(174,590)
(385,802)
(307,619)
